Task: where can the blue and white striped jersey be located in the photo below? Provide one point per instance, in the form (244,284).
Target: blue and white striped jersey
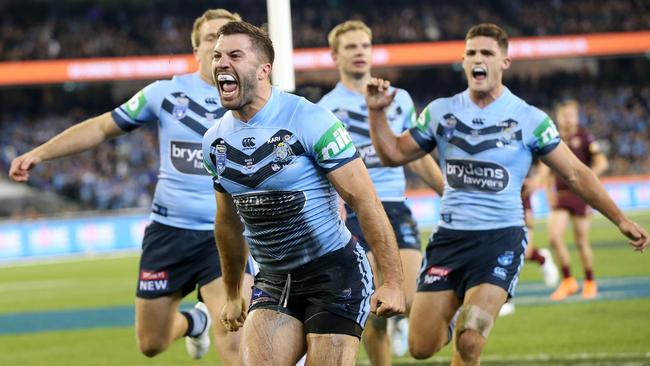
(275,167)
(350,107)
(185,107)
(485,154)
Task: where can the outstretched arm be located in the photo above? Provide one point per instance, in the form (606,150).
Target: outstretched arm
(73,140)
(233,254)
(392,150)
(582,180)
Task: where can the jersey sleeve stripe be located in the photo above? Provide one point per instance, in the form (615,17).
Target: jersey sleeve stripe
(122,122)
(425,144)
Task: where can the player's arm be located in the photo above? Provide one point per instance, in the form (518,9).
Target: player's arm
(392,150)
(233,254)
(599,163)
(427,170)
(582,180)
(73,140)
(353,184)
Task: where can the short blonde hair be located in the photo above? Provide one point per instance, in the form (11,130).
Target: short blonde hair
(347,26)
(210,14)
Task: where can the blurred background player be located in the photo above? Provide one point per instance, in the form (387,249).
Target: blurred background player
(568,206)
(351,48)
(178,250)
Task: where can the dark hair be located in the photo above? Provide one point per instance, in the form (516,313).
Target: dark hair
(259,38)
(489,30)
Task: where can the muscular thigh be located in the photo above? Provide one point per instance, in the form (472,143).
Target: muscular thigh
(272,338)
(156,316)
(431,314)
(331,350)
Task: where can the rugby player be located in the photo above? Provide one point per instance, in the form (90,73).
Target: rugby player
(279,162)
(178,249)
(350,45)
(473,260)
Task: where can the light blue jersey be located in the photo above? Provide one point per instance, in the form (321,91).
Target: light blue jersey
(274,167)
(485,154)
(350,107)
(185,107)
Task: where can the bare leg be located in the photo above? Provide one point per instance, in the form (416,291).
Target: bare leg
(581,236)
(430,316)
(557,227)
(158,323)
(332,349)
(375,337)
(272,338)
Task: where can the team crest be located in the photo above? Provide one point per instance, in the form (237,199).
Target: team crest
(506,258)
(282,153)
(508,132)
(449,126)
(180,106)
(219,152)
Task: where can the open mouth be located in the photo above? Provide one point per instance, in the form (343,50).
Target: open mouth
(228,85)
(479,73)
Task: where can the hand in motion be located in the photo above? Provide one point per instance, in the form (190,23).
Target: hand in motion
(233,314)
(377,96)
(388,300)
(21,165)
(639,237)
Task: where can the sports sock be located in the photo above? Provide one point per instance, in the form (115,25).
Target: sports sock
(536,257)
(589,274)
(566,272)
(196,322)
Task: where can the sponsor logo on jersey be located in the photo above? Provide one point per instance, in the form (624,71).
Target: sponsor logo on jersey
(476,175)
(135,105)
(369,156)
(436,274)
(272,206)
(187,157)
(333,142)
(211,100)
(546,133)
(248,142)
(422,123)
(506,258)
(153,281)
(478,121)
(180,106)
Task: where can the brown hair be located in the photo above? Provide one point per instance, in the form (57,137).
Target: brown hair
(210,14)
(489,30)
(567,103)
(347,26)
(259,38)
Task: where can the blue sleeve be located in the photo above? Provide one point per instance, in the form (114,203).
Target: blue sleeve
(141,108)
(543,137)
(410,118)
(325,138)
(424,131)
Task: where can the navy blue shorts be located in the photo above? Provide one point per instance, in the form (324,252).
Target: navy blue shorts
(459,260)
(401,219)
(175,259)
(330,294)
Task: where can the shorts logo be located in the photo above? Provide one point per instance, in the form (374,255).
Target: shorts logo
(153,281)
(259,296)
(180,107)
(436,274)
(476,175)
(500,272)
(506,258)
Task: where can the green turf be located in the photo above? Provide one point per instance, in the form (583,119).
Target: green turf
(607,332)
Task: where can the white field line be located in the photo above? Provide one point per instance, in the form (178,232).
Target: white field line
(73,258)
(601,356)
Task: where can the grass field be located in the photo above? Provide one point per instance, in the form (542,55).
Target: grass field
(79,312)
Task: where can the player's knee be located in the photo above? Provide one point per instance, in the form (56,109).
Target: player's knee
(422,347)
(150,348)
(469,344)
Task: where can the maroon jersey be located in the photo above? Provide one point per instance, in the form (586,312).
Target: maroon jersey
(584,146)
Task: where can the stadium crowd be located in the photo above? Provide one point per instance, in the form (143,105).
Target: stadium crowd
(72,29)
(121,173)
